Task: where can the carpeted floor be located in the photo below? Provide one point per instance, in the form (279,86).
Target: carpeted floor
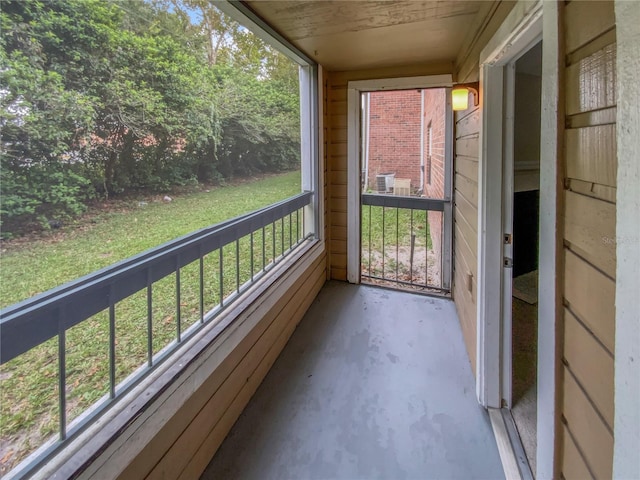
(525,345)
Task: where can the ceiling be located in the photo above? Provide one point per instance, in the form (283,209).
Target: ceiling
(355,34)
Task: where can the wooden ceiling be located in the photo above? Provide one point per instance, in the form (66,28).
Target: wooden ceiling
(355,34)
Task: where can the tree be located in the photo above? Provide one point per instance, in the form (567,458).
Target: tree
(107,96)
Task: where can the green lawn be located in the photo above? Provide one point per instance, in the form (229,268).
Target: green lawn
(386,235)
(28,384)
(44,264)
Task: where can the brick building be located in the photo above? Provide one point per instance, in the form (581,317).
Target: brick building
(405,136)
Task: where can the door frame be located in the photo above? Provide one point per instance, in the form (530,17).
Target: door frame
(522,28)
(354,89)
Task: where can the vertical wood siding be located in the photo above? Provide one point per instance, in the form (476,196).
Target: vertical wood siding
(589,241)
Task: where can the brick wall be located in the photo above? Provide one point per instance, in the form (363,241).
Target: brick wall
(394,146)
(434,156)
(394,136)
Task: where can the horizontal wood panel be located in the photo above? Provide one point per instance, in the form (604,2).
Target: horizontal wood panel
(468,146)
(469,124)
(337,204)
(338,177)
(595,190)
(338,107)
(591,82)
(338,233)
(250,370)
(339,262)
(465,252)
(338,93)
(338,246)
(591,154)
(466,309)
(143,443)
(592,436)
(468,235)
(196,465)
(592,47)
(337,119)
(585,21)
(468,167)
(339,273)
(339,219)
(338,150)
(338,163)
(590,228)
(463,208)
(591,296)
(467,187)
(338,135)
(591,364)
(592,118)
(573,465)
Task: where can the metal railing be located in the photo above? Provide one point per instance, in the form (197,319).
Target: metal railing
(267,236)
(399,246)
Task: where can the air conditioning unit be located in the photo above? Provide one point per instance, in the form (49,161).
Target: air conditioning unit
(384,182)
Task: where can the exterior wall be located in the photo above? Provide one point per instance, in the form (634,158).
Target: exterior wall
(337,151)
(588,212)
(589,239)
(394,136)
(465,195)
(435,104)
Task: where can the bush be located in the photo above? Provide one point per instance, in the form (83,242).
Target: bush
(37,196)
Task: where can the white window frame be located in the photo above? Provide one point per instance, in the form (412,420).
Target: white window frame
(310,78)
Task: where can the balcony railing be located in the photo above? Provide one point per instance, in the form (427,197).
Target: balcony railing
(212,266)
(402,240)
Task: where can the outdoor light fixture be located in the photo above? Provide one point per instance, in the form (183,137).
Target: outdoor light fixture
(460,95)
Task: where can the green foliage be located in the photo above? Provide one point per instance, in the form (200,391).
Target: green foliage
(131,94)
(40,194)
(28,397)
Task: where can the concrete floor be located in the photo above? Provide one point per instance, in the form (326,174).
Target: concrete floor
(373,384)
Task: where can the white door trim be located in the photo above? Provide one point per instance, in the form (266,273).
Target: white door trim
(526,22)
(520,30)
(354,88)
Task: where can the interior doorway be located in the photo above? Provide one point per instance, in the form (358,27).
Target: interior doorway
(521,212)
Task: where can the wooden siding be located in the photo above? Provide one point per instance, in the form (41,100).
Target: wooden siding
(178,435)
(337,152)
(589,241)
(465,204)
(465,182)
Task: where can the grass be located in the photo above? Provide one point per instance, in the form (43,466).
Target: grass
(386,243)
(29,383)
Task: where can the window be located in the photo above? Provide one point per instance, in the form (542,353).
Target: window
(145,99)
